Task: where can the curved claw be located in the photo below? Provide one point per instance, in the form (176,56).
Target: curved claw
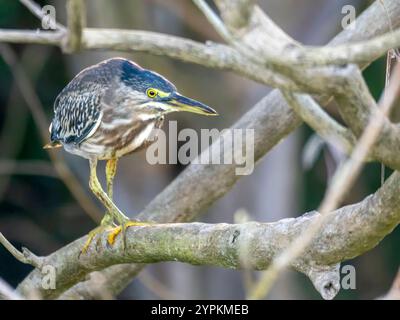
(92,234)
(122,229)
(112,235)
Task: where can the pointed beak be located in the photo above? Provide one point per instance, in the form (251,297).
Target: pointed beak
(182,103)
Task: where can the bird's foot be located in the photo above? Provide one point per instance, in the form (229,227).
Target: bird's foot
(122,229)
(92,234)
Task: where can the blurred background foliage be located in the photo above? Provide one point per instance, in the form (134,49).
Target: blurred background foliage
(38,211)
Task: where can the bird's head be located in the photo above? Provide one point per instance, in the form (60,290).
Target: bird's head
(152,93)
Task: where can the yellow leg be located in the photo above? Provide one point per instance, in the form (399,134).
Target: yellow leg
(96,188)
(112,210)
(111,170)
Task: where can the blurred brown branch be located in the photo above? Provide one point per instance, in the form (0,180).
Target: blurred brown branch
(13,132)
(36,167)
(157,287)
(184,10)
(32,100)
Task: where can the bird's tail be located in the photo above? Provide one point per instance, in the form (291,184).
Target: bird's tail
(52,145)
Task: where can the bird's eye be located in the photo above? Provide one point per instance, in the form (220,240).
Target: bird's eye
(151,93)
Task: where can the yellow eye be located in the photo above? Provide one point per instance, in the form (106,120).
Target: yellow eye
(151,93)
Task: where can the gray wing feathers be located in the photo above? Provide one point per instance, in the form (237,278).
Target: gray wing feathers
(77,110)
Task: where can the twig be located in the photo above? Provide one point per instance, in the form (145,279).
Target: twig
(240,45)
(359,52)
(215,21)
(32,36)
(76,21)
(157,287)
(382,2)
(8,293)
(251,26)
(25,256)
(183,9)
(394,292)
(387,78)
(37,11)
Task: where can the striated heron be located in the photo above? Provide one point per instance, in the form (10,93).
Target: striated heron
(107,111)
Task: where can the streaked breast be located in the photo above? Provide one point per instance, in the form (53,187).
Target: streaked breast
(121,136)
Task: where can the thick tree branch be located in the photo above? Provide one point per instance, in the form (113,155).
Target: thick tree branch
(211,55)
(349,232)
(250,22)
(359,52)
(357,107)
